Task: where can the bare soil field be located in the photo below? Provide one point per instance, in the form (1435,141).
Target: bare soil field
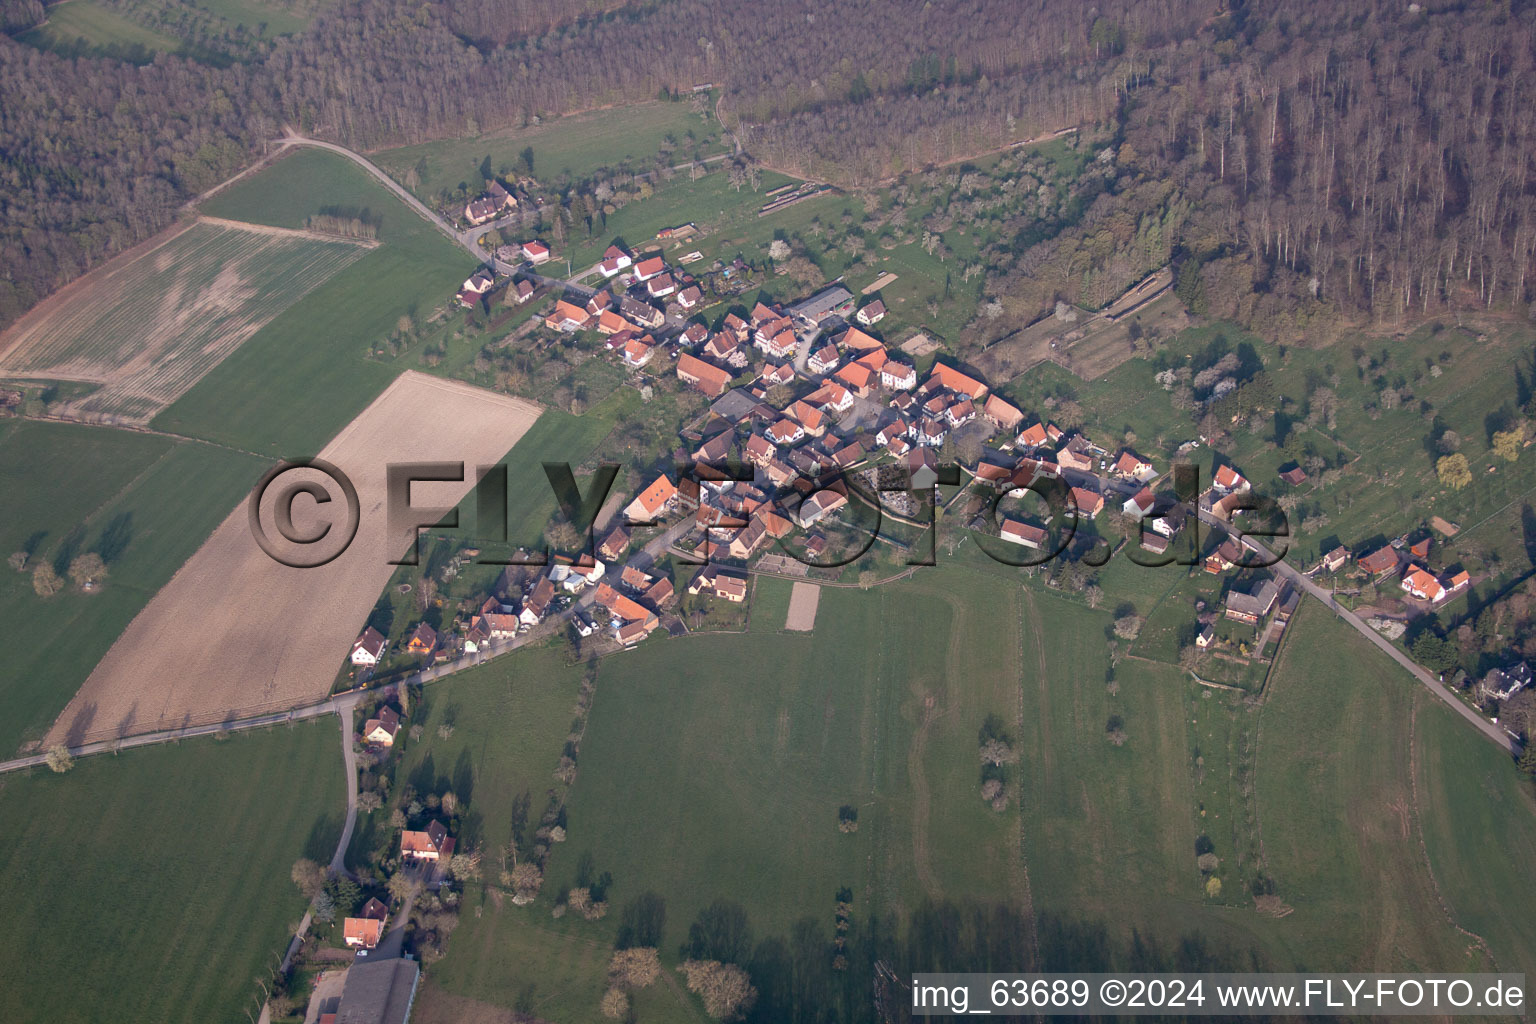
(803,600)
(883,281)
(235,633)
(149,328)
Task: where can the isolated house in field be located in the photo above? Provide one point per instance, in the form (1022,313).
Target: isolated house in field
(362,932)
(423,640)
(427,845)
(1205,637)
(654,499)
(382,728)
(368,648)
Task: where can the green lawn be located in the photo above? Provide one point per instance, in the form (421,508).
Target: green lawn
(576,146)
(153,886)
(253,15)
(1336,807)
(145,502)
(304,375)
(79,26)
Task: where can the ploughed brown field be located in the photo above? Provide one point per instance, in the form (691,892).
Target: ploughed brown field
(235,633)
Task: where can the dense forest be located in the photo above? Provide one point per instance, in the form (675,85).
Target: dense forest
(1304,164)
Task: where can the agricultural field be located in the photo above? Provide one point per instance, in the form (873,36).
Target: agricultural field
(148,330)
(202,651)
(1355,748)
(81,28)
(143,502)
(304,375)
(121,893)
(572,147)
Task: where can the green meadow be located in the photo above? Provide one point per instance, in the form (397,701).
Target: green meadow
(153,886)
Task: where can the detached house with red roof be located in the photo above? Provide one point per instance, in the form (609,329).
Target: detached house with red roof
(535,252)
(1088,504)
(650,267)
(1229,480)
(368,648)
(709,379)
(654,499)
(615,260)
(362,932)
(382,728)
(429,845)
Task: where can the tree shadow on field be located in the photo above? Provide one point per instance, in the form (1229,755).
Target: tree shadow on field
(80,725)
(464,778)
(115,537)
(324,834)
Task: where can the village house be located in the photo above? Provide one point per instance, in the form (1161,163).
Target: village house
(1500,684)
(1253,606)
(1154,542)
(521,291)
(1016,532)
(476,285)
(1138,505)
(823,360)
(723,583)
(657,497)
(368,649)
(649,268)
(1001,414)
(536,606)
(1334,560)
(871,314)
(614,544)
(1295,476)
(690,296)
(636,353)
(381,728)
(1085,503)
(709,379)
(1380,561)
(1422,585)
(1227,554)
(898,376)
(567,318)
(609,323)
(1130,466)
(1229,480)
(642,313)
(825,304)
(362,932)
(1205,637)
(423,640)
(427,845)
(660,286)
(947,377)
(615,260)
(819,505)
(488,204)
(536,252)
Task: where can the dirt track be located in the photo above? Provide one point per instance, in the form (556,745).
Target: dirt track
(235,633)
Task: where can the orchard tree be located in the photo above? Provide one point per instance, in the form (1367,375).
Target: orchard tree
(1453,471)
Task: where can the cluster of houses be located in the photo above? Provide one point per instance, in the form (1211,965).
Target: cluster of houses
(633,304)
(1408,560)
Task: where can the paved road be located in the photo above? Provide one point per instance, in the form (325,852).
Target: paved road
(1300,580)
(349,758)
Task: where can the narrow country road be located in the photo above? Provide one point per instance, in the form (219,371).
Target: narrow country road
(1300,580)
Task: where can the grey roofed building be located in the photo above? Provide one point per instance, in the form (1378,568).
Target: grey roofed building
(379,992)
(824,304)
(735,405)
(1254,606)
